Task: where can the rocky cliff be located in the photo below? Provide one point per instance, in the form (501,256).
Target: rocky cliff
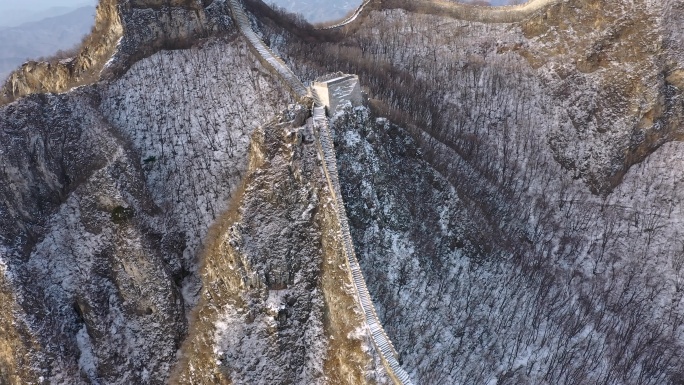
(149,233)
(125,31)
(109,191)
(513,192)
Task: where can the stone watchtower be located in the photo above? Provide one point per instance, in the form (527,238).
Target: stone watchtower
(335,89)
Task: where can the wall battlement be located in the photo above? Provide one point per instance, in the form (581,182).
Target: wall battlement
(337,89)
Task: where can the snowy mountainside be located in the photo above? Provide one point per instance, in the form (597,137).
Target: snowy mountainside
(101,242)
(513,191)
(461,306)
(547,251)
(66,256)
(216,105)
(607,89)
(277,303)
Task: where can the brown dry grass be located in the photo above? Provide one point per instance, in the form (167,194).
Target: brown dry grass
(345,362)
(15,345)
(197,363)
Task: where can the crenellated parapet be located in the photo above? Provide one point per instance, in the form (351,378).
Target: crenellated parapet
(380,340)
(267,56)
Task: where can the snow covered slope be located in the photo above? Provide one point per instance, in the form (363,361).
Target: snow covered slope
(278,304)
(524,228)
(110,191)
(513,193)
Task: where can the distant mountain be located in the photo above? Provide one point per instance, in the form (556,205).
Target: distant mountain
(43,38)
(15,13)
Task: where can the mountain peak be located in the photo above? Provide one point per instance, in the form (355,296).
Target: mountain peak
(124,32)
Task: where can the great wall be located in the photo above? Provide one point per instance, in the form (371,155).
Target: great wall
(132,113)
(348,19)
(270,59)
(326,150)
(92,61)
(471,12)
(380,339)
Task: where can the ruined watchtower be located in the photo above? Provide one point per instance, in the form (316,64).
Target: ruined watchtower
(337,88)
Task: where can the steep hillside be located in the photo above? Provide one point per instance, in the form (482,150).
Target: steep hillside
(594,299)
(42,38)
(513,190)
(115,220)
(124,32)
(277,305)
(610,88)
(107,200)
(523,228)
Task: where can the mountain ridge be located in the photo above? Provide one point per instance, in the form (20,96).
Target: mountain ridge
(41,38)
(513,193)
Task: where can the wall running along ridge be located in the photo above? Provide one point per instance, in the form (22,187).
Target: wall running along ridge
(379,337)
(471,12)
(349,19)
(270,59)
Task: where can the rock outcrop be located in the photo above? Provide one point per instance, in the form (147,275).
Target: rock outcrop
(125,31)
(514,194)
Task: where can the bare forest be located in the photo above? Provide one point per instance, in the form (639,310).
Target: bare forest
(537,252)
(513,186)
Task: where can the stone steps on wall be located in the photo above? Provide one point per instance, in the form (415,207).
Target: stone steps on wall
(273,60)
(327,152)
(380,339)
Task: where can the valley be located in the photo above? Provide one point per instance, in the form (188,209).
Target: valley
(501,205)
